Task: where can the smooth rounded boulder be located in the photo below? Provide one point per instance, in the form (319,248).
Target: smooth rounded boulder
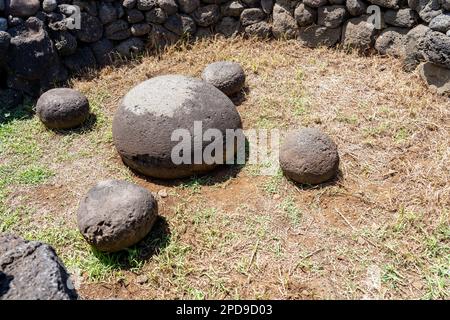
(115,215)
(31,270)
(158,115)
(309,156)
(227,76)
(62,108)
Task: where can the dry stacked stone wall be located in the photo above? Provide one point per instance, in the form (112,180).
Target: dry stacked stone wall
(41,45)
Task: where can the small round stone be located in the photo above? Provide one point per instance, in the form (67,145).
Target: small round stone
(49,5)
(115,215)
(227,76)
(309,156)
(62,108)
(150,114)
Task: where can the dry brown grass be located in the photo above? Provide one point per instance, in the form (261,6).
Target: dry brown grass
(380,231)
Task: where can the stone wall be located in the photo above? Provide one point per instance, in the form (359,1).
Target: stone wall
(41,45)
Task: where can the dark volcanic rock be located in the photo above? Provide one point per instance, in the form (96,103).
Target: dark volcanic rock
(436,77)
(117,30)
(22,8)
(91,29)
(358,34)
(206,15)
(315,36)
(309,156)
(148,115)
(130,47)
(436,48)
(115,215)
(31,270)
(261,30)
(82,60)
(103,51)
(62,108)
(227,76)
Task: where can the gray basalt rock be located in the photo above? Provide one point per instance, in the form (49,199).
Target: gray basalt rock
(135,16)
(160,37)
(145,5)
(284,24)
(90,7)
(331,16)
(356,7)
(251,16)
(440,23)
(427,9)
(232,9)
(207,15)
(262,30)
(405,18)
(140,29)
(91,29)
(358,34)
(414,44)
(181,24)
(150,112)
(436,77)
(22,8)
(392,4)
(315,3)
(107,13)
(31,270)
(228,26)
(130,47)
(305,15)
(115,215)
(436,48)
(309,156)
(129,4)
(49,5)
(62,108)
(103,51)
(117,30)
(65,42)
(316,36)
(188,6)
(156,15)
(82,60)
(392,42)
(169,6)
(227,76)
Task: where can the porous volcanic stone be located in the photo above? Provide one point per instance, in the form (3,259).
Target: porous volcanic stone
(91,29)
(227,76)
(115,215)
(309,156)
(188,6)
(392,42)
(305,15)
(22,8)
(62,108)
(31,270)
(150,112)
(436,77)
(358,34)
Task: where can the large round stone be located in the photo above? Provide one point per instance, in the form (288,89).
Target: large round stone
(228,77)
(115,215)
(149,114)
(62,108)
(31,270)
(309,156)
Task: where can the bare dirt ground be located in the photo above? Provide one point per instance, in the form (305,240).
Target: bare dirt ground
(381,230)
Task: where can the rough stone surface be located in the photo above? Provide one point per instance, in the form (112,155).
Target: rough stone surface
(331,16)
(207,15)
(150,112)
(436,48)
(440,23)
(181,24)
(261,30)
(130,47)
(309,156)
(305,15)
(284,24)
(386,3)
(31,270)
(392,41)
(117,30)
(161,37)
(405,18)
(356,7)
(251,16)
(65,43)
(169,6)
(414,44)
(156,15)
(135,16)
(106,12)
(358,34)
(91,29)
(140,29)
(22,8)
(188,6)
(436,77)
(228,26)
(62,108)
(232,9)
(266,6)
(228,77)
(145,5)
(315,3)
(316,36)
(427,9)
(49,5)
(103,51)
(115,215)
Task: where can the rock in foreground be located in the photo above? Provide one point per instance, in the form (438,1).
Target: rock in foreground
(150,113)
(115,215)
(227,76)
(31,270)
(309,156)
(62,108)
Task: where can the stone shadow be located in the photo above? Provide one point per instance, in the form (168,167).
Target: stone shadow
(86,126)
(336,180)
